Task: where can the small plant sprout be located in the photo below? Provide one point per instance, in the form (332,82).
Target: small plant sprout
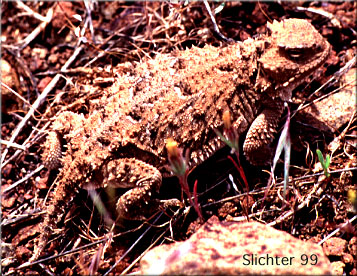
(178,165)
(177,161)
(325,163)
(352,198)
(231,138)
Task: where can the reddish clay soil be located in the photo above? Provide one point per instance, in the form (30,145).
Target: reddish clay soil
(35,49)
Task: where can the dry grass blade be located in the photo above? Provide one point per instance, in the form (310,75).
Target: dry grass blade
(132,246)
(28,264)
(337,230)
(40,100)
(332,80)
(39,168)
(216,29)
(43,41)
(284,143)
(16,94)
(326,14)
(89,8)
(14,145)
(38,30)
(36,15)
(125,271)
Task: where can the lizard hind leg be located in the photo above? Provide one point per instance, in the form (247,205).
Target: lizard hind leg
(144,181)
(257,145)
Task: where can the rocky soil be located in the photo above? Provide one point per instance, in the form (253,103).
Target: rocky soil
(47,48)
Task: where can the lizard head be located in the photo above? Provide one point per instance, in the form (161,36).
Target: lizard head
(295,50)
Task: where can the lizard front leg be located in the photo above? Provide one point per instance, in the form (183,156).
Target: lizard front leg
(257,145)
(144,180)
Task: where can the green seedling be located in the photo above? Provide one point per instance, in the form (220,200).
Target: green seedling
(325,163)
(231,138)
(178,165)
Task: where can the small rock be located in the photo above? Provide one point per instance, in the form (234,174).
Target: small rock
(10,102)
(226,209)
(28,196)
(68,271)
(334,111)
(43,83)
(347,258)
(335,246)
(337,268)
(53,58)
(8,75)
(8,202)
(6,171)
(40,52)
(352,246)
(62,13)
(232,248)
(41,182)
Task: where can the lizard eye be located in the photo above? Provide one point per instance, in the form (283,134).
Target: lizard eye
(294,53)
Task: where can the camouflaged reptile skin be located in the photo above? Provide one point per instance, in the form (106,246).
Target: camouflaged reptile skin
(182,95)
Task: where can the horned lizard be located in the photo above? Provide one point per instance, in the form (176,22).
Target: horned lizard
(182,95)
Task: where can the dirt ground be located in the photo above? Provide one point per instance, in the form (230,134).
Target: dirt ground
(39,38)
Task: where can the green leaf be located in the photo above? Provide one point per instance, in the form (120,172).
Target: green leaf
(325,163)
(328,161)
(320,157)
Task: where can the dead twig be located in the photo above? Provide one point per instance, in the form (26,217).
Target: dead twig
(21,5)
(40,100)
(24,144)
(215,27)
(337,230)
(336,143)
(14,145)
(332,80)
(28,264)
(317,190)
(39,168)
(131,247)
(16,94)
(326,14)
(22,44)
